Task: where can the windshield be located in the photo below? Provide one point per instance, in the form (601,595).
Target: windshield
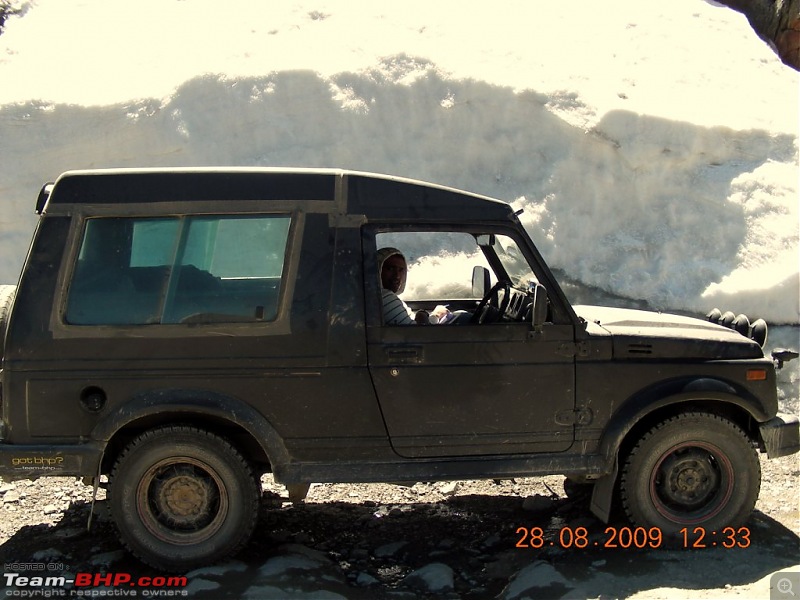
(514,262)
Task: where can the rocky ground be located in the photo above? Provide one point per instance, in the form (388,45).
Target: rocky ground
(439,540)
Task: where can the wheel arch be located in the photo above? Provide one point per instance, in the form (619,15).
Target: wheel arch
(239,423)
(650,406)
(646,409)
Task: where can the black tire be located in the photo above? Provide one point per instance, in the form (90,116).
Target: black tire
(182,497)
(7,293)
(692,470)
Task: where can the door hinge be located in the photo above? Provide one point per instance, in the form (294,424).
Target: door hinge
(580,416)
(573,349)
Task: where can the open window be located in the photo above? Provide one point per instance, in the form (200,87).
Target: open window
(484,274)
(439,264)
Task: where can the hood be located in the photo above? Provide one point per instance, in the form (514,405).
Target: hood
(644,334)
(385,253)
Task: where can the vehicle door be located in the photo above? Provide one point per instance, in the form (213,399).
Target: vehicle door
(464,389)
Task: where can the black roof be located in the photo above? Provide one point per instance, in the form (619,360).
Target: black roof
(370,194)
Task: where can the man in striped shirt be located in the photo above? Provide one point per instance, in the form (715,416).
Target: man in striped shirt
(393,270)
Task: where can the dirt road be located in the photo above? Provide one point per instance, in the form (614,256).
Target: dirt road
(440,540)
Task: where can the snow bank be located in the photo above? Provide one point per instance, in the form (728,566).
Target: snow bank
(649,168)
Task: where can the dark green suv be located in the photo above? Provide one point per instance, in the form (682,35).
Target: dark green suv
(186,331)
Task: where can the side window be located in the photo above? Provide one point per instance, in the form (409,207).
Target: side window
(199,269)
(439,263)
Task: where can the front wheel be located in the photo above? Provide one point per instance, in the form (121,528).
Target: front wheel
(182,497)
(692,470)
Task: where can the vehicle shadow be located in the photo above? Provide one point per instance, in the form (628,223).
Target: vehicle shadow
(371,550)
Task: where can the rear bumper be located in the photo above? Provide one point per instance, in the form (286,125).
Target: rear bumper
(781,435)
(31,462)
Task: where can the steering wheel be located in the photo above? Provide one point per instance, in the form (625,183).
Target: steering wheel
(486,312)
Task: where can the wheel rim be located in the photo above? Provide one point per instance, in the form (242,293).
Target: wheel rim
(182,500)
(691,482)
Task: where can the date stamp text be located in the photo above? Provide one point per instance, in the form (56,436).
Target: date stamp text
(632,537)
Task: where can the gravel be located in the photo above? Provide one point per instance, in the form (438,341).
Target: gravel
(444,540)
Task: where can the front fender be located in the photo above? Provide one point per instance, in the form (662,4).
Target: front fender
(673,394)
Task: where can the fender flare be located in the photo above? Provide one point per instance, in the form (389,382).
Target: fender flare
(196,402)
(641,405)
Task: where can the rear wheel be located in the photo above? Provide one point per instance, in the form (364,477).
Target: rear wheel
(693,470)
(182,497)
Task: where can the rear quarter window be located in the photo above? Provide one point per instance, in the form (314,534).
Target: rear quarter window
(191,269)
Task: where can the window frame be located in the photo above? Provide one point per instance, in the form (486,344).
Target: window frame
(61,328)
(410,260)
(369,234)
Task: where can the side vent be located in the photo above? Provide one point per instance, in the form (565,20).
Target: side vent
(640,349)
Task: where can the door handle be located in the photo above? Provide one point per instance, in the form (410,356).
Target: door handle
(404,355)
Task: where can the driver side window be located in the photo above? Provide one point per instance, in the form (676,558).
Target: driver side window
(439,264)
(426,276)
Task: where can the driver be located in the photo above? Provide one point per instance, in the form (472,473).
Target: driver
(393,270)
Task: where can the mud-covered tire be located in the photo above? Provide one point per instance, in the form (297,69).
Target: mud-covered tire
(182,497)
(7,293)
(692,470)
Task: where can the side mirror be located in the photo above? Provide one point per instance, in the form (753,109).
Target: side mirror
(539,312)
(481,282)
